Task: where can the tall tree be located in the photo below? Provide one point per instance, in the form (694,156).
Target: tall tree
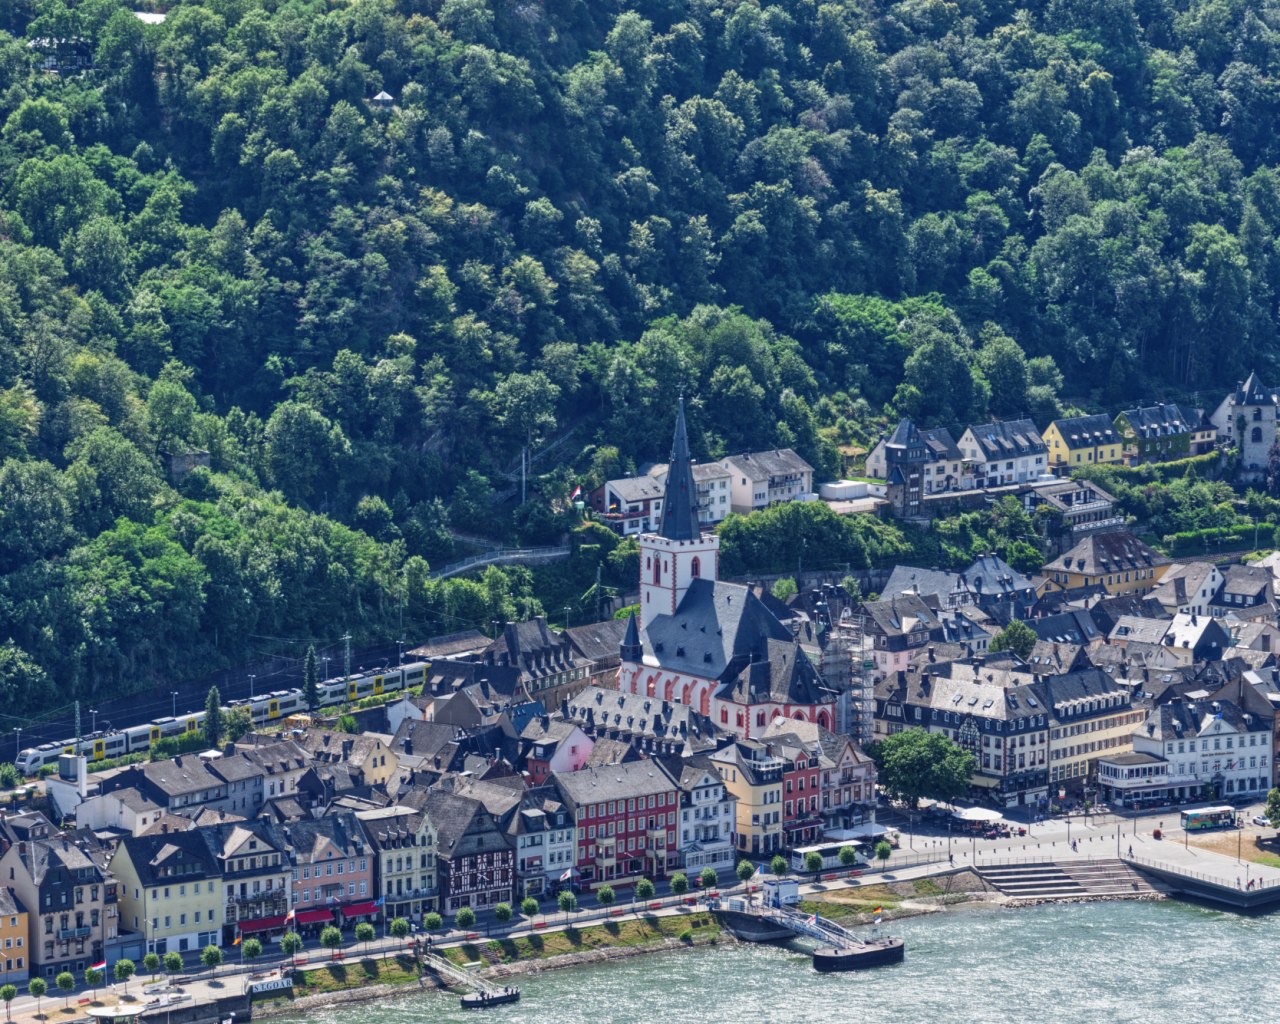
(214,727)
(310,686)
(915,764)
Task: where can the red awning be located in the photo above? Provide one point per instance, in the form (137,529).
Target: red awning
(262,924)
(313,915)
(359,909)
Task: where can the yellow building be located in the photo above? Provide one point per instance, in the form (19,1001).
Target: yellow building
(170,890)
(1091,716)
(13,933)
(363,752)
(754,777)
(1083,441)
(1116,561)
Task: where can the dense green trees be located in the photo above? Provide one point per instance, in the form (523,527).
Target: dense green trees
(915,764)
(807,218)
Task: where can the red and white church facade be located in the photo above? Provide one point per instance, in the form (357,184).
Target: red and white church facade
(710,645)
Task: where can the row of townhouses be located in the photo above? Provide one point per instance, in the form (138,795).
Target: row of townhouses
(1150,681)
(738,483)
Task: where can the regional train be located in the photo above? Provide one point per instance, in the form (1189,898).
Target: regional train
(263,709)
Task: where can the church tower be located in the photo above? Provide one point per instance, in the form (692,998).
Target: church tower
(678,554)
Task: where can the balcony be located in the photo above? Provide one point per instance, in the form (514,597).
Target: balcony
(73,933)
(257,897)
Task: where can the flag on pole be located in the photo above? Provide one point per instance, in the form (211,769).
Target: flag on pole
(877,918)
(99,967)
(878,911)
(380,901)
(577,493)
(812,920)
(237,940)
(290,916)
(567,876)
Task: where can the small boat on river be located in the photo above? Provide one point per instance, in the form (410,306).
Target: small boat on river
(483,1000)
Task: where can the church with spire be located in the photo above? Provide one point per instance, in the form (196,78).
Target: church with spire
(710,645)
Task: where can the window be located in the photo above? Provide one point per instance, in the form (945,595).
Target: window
(1255,435)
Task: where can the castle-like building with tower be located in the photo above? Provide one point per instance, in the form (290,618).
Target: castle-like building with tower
(711,645)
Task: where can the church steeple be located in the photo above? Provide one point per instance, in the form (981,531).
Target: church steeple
(631,649)
(679,553)
(680,504)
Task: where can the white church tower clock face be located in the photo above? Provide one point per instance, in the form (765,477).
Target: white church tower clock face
(678,554)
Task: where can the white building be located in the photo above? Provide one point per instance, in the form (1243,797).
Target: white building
(708,812)
(1006,452)
(761,479)
(1247,418)
(1196,749)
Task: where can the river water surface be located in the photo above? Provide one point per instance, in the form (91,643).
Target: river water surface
(1094,963)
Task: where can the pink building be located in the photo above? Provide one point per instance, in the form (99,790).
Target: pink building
(333,879)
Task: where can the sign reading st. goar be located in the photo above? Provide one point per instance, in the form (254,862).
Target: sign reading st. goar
(272,985)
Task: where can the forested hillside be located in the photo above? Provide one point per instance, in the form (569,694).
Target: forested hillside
(805,215)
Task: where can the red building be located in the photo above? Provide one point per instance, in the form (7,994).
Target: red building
(625,821)
(801,810)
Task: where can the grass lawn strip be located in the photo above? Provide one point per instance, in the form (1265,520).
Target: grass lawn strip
(646,931)
(336,977)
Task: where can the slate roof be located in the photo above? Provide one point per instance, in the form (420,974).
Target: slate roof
(342,829)
(1253,392)
(680,499)
(391,828)
(992,576)
(1107,553)
(172,857)
(907,579)
(1008,439)
(1087,431)
(599,641)
(1180,583)
(598,710)
(451,645)
(1137,628)
(902,614)
(637,489)
(41,856)
(1164,420)
(463,827)
(715,625)
(614,782)
(757,465)
(608,750)
(1182,718)
(181,775)
(1051,657)
(1247,581)
(781,673)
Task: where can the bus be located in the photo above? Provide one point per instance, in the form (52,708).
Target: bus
(830,854)
(1203,818)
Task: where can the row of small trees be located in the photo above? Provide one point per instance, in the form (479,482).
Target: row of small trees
(331,937)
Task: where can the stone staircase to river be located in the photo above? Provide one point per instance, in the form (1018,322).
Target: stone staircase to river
(1068,880)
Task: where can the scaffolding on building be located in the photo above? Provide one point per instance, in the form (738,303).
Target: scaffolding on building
(851,638)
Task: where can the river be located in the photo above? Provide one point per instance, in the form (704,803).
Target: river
(1093,963)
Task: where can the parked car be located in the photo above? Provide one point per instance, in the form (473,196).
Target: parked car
(1260,819)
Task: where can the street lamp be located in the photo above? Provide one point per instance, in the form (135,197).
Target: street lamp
(174,695)
(252,677)
(400,648)
(326,667)
(94,712)
(18,745)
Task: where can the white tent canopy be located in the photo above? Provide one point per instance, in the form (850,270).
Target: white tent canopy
(976,814)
